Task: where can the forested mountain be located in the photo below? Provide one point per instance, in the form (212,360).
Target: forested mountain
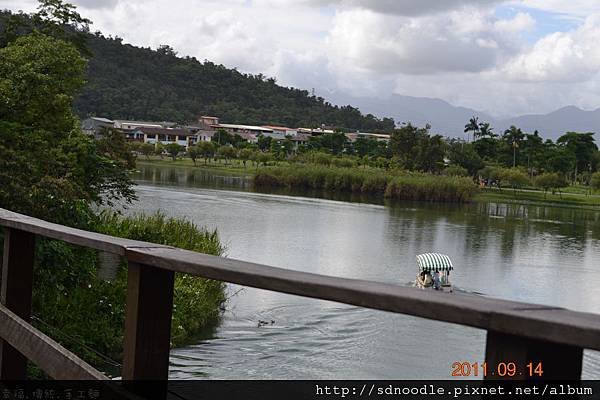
(129,82)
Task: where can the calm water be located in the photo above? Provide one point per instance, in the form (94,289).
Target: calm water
(535,254)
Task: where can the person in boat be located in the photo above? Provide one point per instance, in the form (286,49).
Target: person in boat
(425,278)
(437,284)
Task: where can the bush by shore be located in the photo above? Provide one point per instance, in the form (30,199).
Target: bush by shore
(392,185)
(86,313)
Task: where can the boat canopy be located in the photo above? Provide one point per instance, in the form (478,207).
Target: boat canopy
(434,261)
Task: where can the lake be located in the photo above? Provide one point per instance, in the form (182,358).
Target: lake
(537,254)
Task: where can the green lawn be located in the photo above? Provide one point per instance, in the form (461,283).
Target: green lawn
(233,166)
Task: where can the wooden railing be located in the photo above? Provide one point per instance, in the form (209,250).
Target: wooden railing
(516,332)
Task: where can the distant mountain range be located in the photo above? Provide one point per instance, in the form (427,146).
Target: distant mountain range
(450,120)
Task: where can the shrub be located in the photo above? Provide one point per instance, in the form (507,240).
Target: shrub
(595,180)
(550,181)
(86,313)
(456,170)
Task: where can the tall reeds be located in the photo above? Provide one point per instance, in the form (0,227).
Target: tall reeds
(393,185)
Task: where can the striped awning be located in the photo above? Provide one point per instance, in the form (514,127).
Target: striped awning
(434,261)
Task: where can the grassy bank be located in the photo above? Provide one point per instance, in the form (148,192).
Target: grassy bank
(374,181)
(401,186)
(232,166)
(538,197)
(86,314)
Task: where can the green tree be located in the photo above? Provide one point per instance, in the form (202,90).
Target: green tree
(513,136)
(404,144)
(264,142)
(487,148)
(485,131)
(38,77)
(159,149)
(227,152)
(431,151)
(222,137)
(206,150)
(193,152)
(550,181)
(533,150)
(473,126)
(514,178)
(560,159)
(263,158)
(48,167)
(364,146)
(464,155)
(582,146)
(245,155)
(173,149)
(147,149)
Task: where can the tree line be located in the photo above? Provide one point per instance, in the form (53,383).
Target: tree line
(513,157)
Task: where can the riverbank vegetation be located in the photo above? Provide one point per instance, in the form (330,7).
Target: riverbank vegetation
(81,305)
(397,185)
(49,169)
(514,160)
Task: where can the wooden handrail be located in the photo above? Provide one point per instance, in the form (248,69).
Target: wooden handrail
(527,326)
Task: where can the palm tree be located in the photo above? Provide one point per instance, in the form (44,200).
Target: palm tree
(472,126)
(486,130)
(514,135)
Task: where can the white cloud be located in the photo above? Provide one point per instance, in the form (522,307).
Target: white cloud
(386,44)
(520,22)
(573,8)
(408,7)
(572,56)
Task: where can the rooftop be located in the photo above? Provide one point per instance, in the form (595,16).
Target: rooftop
(279,128)
(246,127)
(165,131)
(105,120)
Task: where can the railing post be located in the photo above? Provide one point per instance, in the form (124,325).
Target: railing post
(558,361)
(15,294)
(147,323)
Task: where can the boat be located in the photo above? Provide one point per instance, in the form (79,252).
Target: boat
(431,263)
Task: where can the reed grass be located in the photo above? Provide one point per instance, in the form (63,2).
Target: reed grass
(398,185)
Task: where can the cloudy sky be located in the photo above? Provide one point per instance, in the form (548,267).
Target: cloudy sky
(505,57)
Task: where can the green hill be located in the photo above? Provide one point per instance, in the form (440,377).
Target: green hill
(129,82)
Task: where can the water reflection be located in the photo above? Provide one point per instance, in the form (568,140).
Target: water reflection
(529,253)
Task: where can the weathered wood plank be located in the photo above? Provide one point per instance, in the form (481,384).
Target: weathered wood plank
(66,234)
(147,322)
(535,321)
(558,361)
(15,294)
(51,357)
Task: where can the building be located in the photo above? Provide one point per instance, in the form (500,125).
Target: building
(202,135)
(182,137)
(380,137)
(315,131)
(206,121)
(93,126)
(130,125)
(280,132)
(247,132)
(300,139)
(239,129)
